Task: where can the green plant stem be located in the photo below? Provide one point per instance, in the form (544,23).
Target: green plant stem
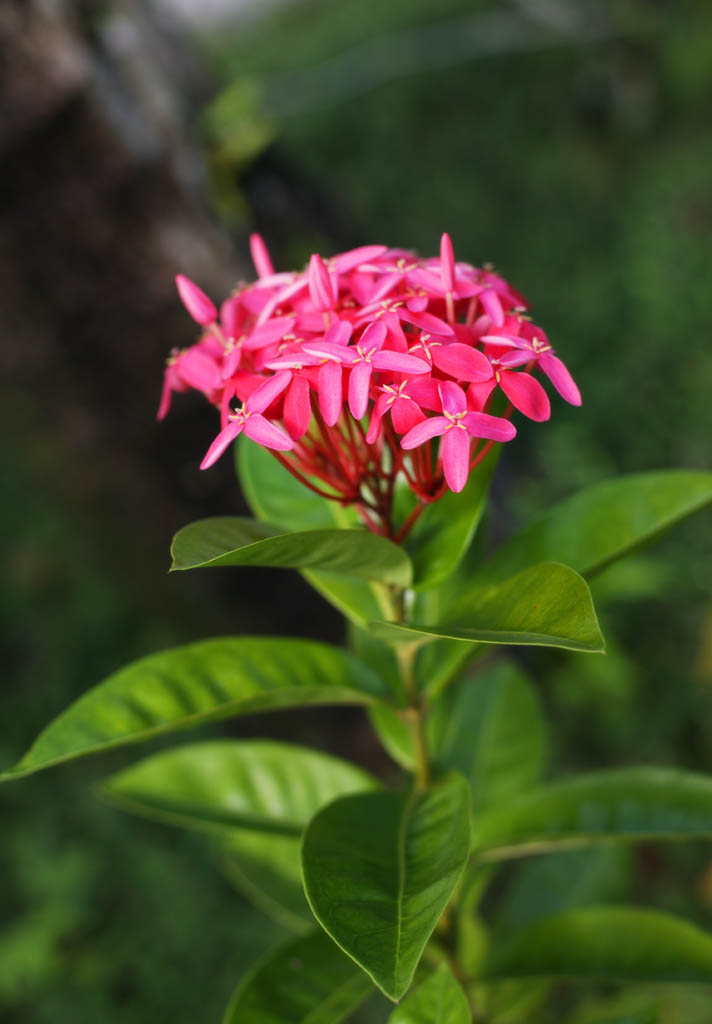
(417,707)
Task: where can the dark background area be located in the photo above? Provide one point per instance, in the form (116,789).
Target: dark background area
(568,143)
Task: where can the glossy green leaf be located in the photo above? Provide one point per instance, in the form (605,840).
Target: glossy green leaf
(626,804)
(306,981)
(276,497)
(596,526)
(445,529)
(202,682)
(257,785)
(606,944)
(438,1000)
(490,727)
(233,540)
(548,605)
(255,796)
(379,869)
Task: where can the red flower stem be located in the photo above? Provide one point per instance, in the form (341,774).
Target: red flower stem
(406,527)
(307,483)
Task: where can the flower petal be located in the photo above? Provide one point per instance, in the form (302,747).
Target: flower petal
(447,262)
(426,322)
(425,431)
(455,455)
(224,439)
(373,336)
(200,307)
(266,334)
(526,394)
(462,362)
(267,434)
(374,427)
(331,391)
(477,394)
(263,396)
(359,387)
(399,362)
(297,407)
(452,397)
(405,415)
(493,307)
(355,257)
(339,333)
(198,370)
(560,377)
(325,350)
(231,316)
(260,256)
(322,289)
(494,428)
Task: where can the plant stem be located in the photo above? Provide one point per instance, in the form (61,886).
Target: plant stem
(417,708)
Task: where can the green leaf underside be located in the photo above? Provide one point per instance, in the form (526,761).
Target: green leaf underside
(254,785)
(491,728)
(232,541)
(606,944)
(276,497)
(438,1000)
(627,804)
(444,530)
(604,522)
(201,682)
(547,605)
(379,869)
(306,981)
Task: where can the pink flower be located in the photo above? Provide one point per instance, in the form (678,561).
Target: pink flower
(524,391)
(196,301)
(456,426)
(365,357)
(416,345)
(255,426)
(531,339)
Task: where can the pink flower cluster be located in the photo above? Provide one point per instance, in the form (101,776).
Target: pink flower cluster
(348,370)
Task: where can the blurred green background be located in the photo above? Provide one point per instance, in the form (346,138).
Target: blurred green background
(569,143)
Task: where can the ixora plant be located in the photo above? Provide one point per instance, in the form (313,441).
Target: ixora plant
(374,391)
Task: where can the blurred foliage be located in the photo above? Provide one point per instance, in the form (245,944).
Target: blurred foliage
(579,164)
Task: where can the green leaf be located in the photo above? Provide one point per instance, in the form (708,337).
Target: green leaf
(255,796)
(439,1000)
(265,869)
(306,981)
(561,881)
(548,605)
(623,1008)
(490,727)
(202,682)
(443,533)
(221,785)
(627,804)
(237,541)
(379,869)
(276,497)
(602,523)
(606,944)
